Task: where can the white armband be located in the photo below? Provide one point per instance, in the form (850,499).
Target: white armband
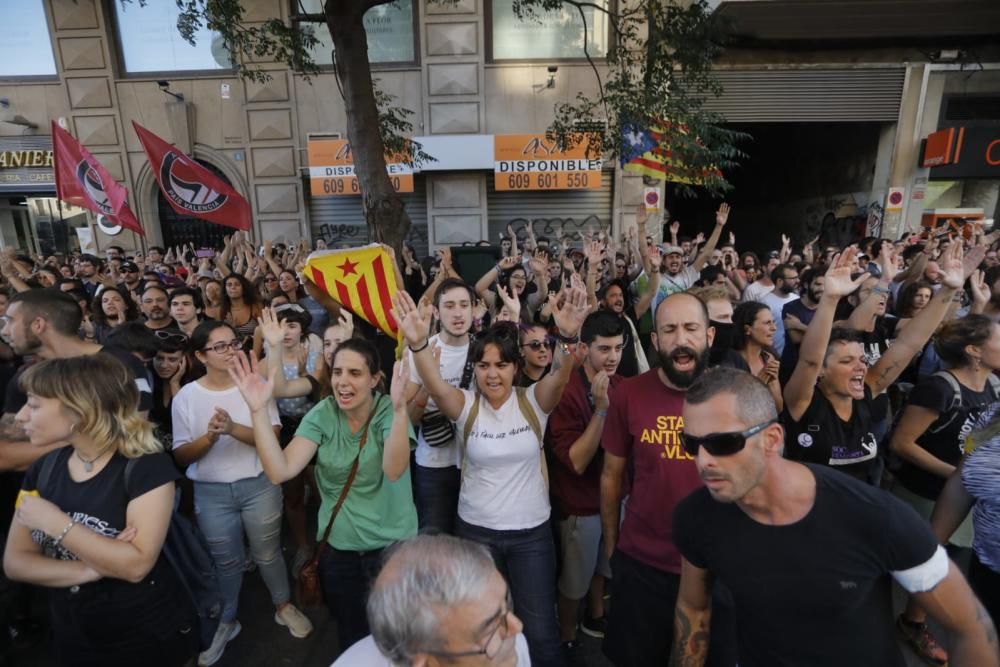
(927,575)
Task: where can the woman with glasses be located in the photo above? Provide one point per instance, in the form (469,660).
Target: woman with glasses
(111,307)
(361,440)
(214,439)
(536,349)
(504,500)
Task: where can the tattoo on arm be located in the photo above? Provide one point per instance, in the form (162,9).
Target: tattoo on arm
(690,643)
(11,430)
(986,623)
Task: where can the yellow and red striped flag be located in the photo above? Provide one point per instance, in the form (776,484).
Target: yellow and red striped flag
(360,279)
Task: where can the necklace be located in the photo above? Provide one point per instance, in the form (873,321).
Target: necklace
(88,465)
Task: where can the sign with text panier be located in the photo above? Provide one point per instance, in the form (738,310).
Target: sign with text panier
(532,162)
(331,169)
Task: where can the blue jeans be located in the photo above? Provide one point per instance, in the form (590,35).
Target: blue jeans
(435,492)
(527,560)
(224,512)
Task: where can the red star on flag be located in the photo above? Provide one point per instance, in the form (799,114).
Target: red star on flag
(348,267)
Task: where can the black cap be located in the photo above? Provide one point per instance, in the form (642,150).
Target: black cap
(129,267)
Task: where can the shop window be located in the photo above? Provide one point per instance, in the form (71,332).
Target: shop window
(25,44)
(150,43)
(391,29)
(557,34)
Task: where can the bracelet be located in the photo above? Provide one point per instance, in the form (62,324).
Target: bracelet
(601,413)
(64,533)
(427,341)
(567,339)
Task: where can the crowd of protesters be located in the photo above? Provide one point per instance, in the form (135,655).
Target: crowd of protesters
(694,453)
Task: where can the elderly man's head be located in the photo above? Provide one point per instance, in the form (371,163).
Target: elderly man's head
(440,599)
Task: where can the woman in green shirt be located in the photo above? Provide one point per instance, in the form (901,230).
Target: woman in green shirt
(378,508)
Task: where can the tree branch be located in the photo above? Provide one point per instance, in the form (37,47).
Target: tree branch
(309,18)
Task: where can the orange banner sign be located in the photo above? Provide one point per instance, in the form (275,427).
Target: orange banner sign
(531,162)
(331,170)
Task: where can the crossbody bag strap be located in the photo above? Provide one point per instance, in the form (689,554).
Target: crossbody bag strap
(347,484)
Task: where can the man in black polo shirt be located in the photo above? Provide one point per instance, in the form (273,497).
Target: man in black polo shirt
(807,553)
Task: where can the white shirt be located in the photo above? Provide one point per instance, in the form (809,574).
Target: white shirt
(502,483)
(229,459)
(365,653)
(681,282)
(755,291)
(452,366)
(776,302)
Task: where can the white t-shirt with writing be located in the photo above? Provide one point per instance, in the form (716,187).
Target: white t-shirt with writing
(452,365)
(502,483)
(229,459)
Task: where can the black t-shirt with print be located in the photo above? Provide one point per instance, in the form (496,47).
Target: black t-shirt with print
(816,592)
(822,437)
(951,426)
(109,616)
(876,342)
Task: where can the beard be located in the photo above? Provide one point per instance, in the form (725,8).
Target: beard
(679,378)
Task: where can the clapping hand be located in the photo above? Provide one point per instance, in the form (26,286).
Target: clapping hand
(599,389)
(221,423)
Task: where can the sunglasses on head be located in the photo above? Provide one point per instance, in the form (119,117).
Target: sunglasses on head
(722,444)
(171,335)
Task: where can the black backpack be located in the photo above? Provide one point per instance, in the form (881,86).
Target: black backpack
(187,553)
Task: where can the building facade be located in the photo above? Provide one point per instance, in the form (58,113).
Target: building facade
(840,109)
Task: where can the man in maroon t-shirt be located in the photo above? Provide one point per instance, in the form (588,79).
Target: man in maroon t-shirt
(642,434)
(574,438)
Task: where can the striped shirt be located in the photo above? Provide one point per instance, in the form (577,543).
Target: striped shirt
(981,478)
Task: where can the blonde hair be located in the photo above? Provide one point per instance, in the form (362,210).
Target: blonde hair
(102,396)
(710,293)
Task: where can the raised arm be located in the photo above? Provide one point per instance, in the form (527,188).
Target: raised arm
(280,465)
(569,318)
(798,392)
(651,259)
(721,216)
(920,328)
(415,323)
(483,284)
(864,315)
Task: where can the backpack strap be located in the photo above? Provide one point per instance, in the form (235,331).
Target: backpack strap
(471,419)
(956,402)
(536,427)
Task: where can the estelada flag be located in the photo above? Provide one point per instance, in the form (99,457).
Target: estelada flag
(83,181)
(360,279)
(646,151)
(190,188)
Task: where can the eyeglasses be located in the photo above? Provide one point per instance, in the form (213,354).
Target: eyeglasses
(163,334)
(722,444)
(536,345)
(493,643)
(220,348)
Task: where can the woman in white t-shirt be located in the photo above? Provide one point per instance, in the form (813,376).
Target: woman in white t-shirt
(212,437)
(504,502)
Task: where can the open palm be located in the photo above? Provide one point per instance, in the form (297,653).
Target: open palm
(414,322)
(838,281)
(254,387)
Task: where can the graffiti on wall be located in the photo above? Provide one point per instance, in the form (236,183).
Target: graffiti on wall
(551,227)
(347,235)
(842,219)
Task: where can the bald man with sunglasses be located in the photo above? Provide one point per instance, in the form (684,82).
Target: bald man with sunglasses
(807,553)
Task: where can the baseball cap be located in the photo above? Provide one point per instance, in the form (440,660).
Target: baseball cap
(672,249)
(129,267)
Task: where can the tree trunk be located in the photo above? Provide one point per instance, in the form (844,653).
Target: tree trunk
(385,214)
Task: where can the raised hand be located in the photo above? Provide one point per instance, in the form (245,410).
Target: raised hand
(508,263)
(722,215)
(346,321)
(414,322)
(838,281)
(887,262)
(732,239)
(980,291)
(641,214)
(952,269)
(538,263)
(570,315)
(675,227)
(698,240)
(599,389)
(270,327)
(254,387)
(397,389)
(785,241)
(974,256)
(510,302)
(594,251)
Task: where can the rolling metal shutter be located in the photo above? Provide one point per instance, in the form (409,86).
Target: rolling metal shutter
(797,95)
(340,219)
(575,209)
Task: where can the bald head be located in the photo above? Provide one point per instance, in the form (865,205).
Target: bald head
(680,300)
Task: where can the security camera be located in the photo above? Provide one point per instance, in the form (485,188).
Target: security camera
(163,84)
(553,69)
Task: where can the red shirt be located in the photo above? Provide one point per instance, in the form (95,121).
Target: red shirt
(644,426)
(573,494)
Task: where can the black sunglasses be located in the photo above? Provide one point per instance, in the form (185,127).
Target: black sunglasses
(722,444)
(536,345)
